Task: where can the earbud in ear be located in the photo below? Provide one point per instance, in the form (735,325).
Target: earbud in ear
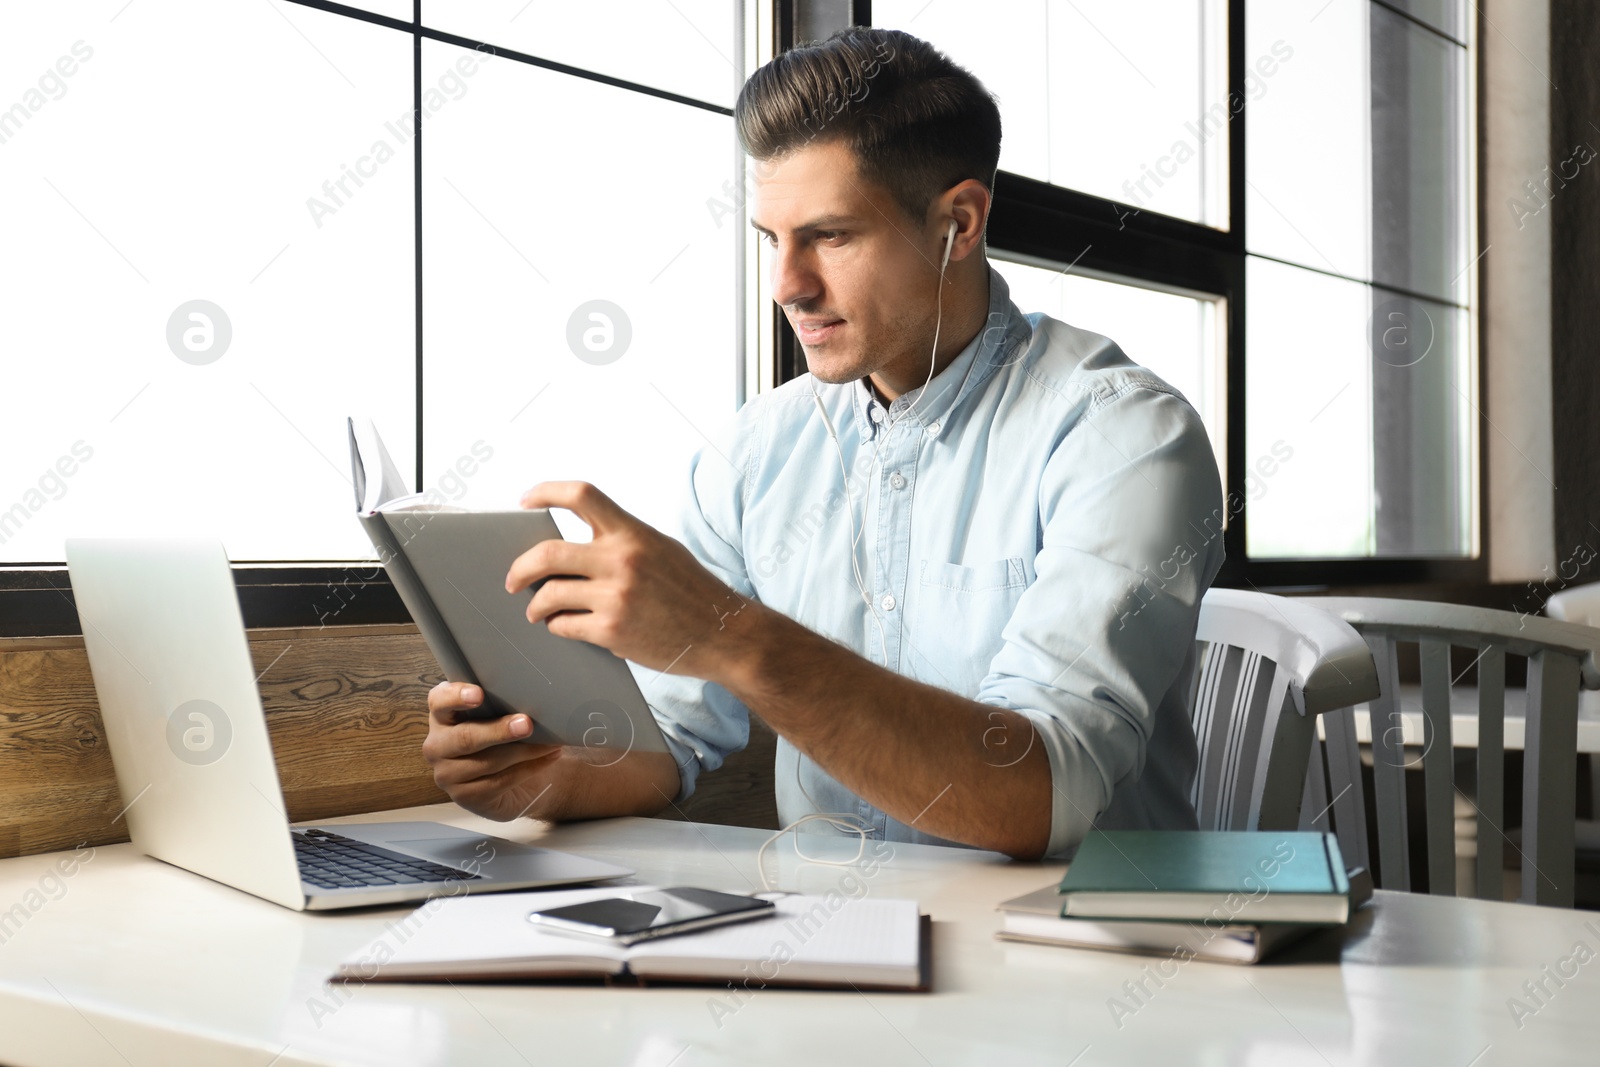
(949,243)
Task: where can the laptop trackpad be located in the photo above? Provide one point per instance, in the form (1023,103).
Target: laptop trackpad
(464,851)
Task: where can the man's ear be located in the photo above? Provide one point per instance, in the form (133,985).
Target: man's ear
(968,203)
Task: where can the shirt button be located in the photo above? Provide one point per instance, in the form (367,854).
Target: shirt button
(887,602)
(933,429)
(897,480)
(876,413)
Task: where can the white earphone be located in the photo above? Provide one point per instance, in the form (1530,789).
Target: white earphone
(849,822)
(933,360)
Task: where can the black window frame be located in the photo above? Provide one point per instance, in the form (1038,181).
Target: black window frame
(1029,217)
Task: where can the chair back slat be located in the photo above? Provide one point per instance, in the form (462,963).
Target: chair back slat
(1216,693)
(1491,803)
(1243,735)
(1315,811)
(1389,767)
(1347,795)
(1438,766)
(1282,746)
(1549,779)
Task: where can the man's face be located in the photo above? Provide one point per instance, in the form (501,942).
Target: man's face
(855,277)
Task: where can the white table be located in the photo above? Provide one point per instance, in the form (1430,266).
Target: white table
(137,963)
(1464,719)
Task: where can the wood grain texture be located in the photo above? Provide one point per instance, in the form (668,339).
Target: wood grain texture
(346,711)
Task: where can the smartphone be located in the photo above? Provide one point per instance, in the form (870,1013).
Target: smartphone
(657,913)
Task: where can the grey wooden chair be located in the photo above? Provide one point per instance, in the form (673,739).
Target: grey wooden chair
(1265,668)
(1581,604)
(1561,659)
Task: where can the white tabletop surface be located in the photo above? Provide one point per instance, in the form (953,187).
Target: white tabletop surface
(132,962)
(1464,718)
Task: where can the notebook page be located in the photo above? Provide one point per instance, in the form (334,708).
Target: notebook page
(817,931)
(491,929)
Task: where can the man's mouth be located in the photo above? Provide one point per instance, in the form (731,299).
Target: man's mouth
(815,331)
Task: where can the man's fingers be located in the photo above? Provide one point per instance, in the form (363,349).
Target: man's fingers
(549,558)
(561,596)
(579,626)
(488,763)
(583,500)
(447,740)
(446,698)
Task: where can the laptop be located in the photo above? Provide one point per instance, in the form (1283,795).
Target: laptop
(167,649)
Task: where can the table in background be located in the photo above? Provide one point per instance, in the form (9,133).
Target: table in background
(1464,735)
(138,963)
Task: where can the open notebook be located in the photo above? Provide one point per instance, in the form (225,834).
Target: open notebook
(829,942)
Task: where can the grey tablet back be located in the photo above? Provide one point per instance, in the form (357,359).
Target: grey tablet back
(576,693)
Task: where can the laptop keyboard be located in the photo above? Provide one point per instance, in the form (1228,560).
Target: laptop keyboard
(330,861)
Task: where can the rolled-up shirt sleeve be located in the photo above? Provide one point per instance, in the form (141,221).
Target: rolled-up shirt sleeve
(701,720)
(1130,513)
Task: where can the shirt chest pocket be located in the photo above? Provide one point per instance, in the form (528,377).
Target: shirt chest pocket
(962,611)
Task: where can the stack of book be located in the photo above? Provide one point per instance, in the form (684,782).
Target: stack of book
(1218,895)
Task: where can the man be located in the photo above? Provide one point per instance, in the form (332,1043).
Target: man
(951,567)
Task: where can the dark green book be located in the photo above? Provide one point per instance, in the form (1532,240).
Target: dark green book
(1218,876)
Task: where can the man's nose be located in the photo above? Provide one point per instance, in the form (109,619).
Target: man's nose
(794,278)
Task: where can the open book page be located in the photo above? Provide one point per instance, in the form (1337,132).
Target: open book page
(377,480)
(810,939)
(485,935)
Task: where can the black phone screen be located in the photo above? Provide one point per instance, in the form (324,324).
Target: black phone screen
(653,914)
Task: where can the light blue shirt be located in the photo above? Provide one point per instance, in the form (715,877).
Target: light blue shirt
(1033,533)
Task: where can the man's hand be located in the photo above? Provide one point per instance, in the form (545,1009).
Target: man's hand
(483,765)
(487,769)
(632,589)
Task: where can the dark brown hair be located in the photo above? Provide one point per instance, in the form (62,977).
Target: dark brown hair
(916,122)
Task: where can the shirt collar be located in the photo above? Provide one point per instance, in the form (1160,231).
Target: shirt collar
(1004,331)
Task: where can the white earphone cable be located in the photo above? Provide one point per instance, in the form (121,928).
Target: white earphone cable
(847,822)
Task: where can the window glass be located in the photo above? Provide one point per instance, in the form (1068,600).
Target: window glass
(1357,152)
(1308,152)
(580,293)
(682,46)
(1449,17)
(200,286)
(1125,101)
(397,9)
(1309,415)
(1360,420)
(1419,148)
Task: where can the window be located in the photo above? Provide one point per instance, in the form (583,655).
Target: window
(1359,333)
(187,333)
(1092,99)
(578,310)
(234,238)
(222,263)
(1320,243)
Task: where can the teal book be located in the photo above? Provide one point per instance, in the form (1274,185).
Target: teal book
(1215,876)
